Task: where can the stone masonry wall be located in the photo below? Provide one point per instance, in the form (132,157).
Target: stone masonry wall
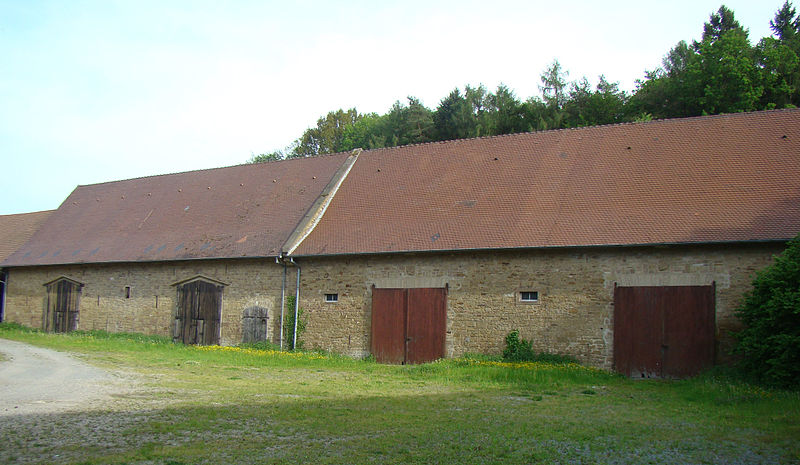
(574,314)
(151,306)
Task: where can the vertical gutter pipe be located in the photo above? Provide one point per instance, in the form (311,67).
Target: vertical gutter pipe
(4,280)
(283,298)
(296,305)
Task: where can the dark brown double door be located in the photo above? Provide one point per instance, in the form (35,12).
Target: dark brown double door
(197,319)
(663,331)
(408,325)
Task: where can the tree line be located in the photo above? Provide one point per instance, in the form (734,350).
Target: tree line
(722,73)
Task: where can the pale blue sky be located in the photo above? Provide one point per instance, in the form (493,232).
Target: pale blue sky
(95,91)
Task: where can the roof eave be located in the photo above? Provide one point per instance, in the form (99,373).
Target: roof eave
(555,247)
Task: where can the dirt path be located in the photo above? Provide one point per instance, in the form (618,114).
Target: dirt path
(37,380)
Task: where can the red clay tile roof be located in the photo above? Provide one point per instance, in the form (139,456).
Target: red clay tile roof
(15,230)
(708,179)
(239,211)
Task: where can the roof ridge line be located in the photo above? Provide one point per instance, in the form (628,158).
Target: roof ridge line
(584,128)
(207,169)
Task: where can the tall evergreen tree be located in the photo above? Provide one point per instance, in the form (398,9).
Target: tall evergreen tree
(719,23)
(453,118)
(506,115)
(786,23)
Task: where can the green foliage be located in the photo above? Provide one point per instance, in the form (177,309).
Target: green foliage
(265,157)
(585,107)
(786,22)
(770,342)
(554,86)
(721,23)
(520,350)
(722,73)
(212,405)
(129,337)
(517,349)
(328,136)
(288,325)
(727,74)
(779,68)
(12,327)
(454,118)
(261,345)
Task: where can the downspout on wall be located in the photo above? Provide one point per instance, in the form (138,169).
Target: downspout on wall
(304,228)
(283,298)
(3,289)
(296,304)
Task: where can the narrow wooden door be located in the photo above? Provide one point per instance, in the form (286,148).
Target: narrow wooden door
(425,324)
(408,325)
(663,331)
(254,324)
(63,306)
(388,325)
(197,319)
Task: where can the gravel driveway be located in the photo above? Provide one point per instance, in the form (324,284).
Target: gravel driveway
(37,380)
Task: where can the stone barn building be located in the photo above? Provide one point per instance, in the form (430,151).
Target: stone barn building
(628,246)
(16,230)
(191,255)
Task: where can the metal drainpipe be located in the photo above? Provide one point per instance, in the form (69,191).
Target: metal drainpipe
(4,279)
(283,300)
(296,304)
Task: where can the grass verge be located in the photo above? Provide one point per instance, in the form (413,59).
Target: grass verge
(248,405)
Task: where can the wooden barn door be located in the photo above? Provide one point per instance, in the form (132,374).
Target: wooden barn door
(663,331)
(254,324)
(197,319)
(63,304)
(389,325)
(408,325)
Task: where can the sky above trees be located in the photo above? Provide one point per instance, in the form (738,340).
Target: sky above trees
(96,91)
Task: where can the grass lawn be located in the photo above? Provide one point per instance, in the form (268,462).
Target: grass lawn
(197,405)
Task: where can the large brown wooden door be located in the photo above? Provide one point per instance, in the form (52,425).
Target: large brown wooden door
(408,325)
(388,325)
(663,331)
(197,317)
(63,305)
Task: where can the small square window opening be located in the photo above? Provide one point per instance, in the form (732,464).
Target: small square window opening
(529,296)
(331,297)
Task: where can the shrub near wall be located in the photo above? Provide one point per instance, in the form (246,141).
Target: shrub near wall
(770,342)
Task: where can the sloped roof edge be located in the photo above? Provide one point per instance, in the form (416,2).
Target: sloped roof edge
(547,248)
(718,178)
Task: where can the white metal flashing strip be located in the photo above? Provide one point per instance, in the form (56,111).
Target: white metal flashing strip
(328,199)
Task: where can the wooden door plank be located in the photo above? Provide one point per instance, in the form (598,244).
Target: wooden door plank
(426,324)
(388,325)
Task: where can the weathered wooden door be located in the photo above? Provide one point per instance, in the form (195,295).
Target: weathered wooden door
(663,331)
(254,324)
(197,317)
(63,305)
(408,325)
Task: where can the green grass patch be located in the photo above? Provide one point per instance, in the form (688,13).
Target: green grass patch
(253,404)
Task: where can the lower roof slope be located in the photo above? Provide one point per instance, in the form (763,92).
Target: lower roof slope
(707,179)
(15,230)
(238,211)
